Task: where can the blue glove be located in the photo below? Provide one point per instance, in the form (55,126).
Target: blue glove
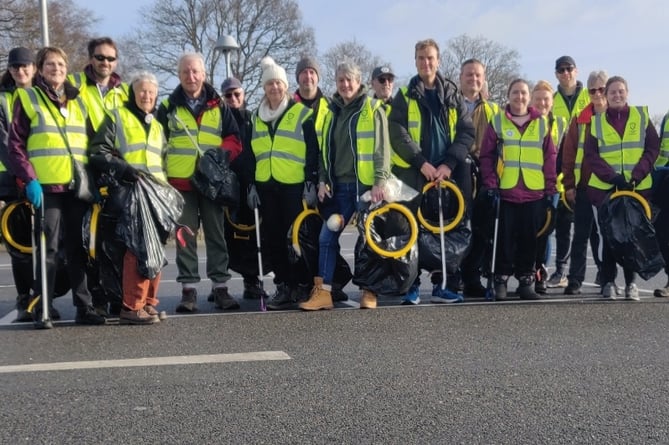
(252,197)
(34,193)
(310,195)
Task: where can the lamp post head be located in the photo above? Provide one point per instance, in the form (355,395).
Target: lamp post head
(226,44)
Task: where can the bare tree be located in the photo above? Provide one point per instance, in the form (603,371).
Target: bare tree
(69,28)
(501,63)
(261,27)
(352,51)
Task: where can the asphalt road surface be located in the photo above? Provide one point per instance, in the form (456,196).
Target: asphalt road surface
(568,369)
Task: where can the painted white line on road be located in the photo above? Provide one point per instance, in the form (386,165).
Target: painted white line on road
(9,317)
(149,361)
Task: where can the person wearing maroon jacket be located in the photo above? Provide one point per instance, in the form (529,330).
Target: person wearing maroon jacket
(611,169)
(196,119)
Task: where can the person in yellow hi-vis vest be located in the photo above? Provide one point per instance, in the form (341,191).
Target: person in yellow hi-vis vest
(576,175)
(431,133)
(285,150)
(520,138)
(542,100)
(20,73)
(621,150)
(383,82)
(48,134)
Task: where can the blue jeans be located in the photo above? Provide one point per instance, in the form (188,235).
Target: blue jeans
(344,201)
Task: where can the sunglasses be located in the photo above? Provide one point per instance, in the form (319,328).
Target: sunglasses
(594,91)
(384,80)
(562,69)
(101,58)
(237,95)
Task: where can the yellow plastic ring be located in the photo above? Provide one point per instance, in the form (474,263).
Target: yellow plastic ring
(95,215)
(295,235)
(412,223)
(240,227)
(547,224)
(461,207)
(4,223)
(635,195)
(565,203)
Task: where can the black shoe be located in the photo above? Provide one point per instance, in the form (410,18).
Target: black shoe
(501,293)
(573,288)
(338,294)
(22,303)
(223,299)
(88,316)
(253,290)
(474,289)
(301,292)
(188,299)
(281,299)
(525,291)
(540,287)
(54,314)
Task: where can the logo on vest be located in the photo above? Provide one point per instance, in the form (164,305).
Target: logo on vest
(290,116)
(633,128)
(509,133)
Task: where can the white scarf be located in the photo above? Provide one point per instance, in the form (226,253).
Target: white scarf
(269,115)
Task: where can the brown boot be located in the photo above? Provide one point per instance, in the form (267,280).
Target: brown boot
(367,300)
(319,297)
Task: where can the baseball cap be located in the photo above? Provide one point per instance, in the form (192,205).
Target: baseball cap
(230,83)
(381,70)
(564,60)
(20,56)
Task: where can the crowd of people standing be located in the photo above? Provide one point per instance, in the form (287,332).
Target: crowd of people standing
(558,152)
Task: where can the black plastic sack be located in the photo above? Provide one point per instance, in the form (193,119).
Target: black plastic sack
(385,276)
(214,178)
(307,234)
(149,216)
(240,237)
(631,235)
(457,241)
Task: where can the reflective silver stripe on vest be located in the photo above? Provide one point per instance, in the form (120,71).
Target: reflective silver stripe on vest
(284,155)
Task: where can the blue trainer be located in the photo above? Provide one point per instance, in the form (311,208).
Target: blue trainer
(412,296)
(440,295)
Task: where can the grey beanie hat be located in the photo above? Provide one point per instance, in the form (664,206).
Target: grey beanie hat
(307,62)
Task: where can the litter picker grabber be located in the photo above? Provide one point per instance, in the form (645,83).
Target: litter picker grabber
(41,320)
(444,295)
(261,274)
(490,288)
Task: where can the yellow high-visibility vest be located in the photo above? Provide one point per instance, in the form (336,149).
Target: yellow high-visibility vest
(98,105)
(560,106)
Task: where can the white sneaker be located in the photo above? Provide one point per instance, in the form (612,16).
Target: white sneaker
(610,291)
(632,292)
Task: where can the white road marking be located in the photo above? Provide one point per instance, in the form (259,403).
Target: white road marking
(149,361)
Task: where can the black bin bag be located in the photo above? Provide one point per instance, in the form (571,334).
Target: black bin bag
(214,178)
(382,275)
(631,235)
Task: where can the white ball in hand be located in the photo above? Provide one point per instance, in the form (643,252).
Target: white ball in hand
(335,222)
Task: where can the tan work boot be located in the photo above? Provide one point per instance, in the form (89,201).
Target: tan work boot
(319,297)
(367,300)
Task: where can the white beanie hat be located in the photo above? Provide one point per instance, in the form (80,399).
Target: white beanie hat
(271,71)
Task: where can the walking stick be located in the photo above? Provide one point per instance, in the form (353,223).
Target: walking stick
(445,295)
(260,271)
(43,321)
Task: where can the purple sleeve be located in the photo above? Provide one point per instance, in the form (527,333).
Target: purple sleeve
(488,159)
(19,130)
(550,172)
(649,156)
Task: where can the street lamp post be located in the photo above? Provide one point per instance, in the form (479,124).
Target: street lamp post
(227,44)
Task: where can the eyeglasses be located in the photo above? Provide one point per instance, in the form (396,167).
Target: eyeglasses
(594,91)
(562,69)
(101,58)
(384,80)
(237,95)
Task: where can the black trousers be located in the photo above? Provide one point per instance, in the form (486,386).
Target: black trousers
(584,229)
(517,238)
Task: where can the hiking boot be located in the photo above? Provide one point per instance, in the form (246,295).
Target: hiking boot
(157,315)
(87,315)
(474,289)
(301,292)
(253,290)
(367,300)
(558,279)
(188,299)
(501,293)
(319,298)
(525,291)
(610,291)
(281,299)
(632,292)
(573,288)
(136,317)
(338,293)
(223,299)
(412,296)
(662,292)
